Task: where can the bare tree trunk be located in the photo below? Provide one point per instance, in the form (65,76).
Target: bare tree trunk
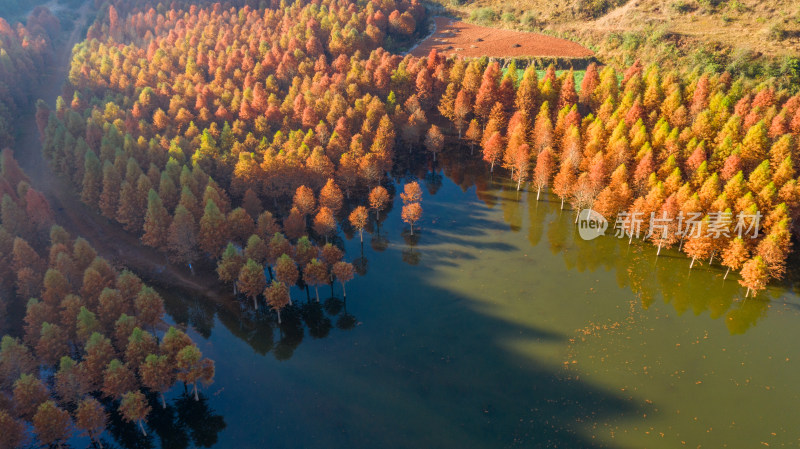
(659,249)
(316,288)
(412,228)
(279,316)
(538,192)
(726,273)
(255,303)
(361,234)
(710,261)
(519,183)
(196,394)
(344,291)
(141,426)
(163,401)
(692,264)
(562,203)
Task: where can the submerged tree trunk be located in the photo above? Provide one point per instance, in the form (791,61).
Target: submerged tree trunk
(141,426)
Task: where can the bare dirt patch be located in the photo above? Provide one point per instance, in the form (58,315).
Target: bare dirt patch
(468,40)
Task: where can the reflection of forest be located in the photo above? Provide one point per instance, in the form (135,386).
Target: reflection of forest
(183,423)
(636,266)
(258,327)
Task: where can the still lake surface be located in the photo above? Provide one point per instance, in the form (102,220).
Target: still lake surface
(497,326)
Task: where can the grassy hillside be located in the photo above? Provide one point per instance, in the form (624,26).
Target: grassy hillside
(747,37)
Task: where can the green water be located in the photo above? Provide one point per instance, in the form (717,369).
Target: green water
(502,328)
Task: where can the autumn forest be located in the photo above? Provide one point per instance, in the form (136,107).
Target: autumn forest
(251,145)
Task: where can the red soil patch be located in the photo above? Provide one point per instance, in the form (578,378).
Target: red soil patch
(464,39)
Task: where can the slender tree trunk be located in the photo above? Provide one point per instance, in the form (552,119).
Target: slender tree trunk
(538,192)
(361,235)
(196,394)
(659,249)
(434,156)
(141,426)
(163,401)
(492,169)
(519,183)
(692,264)
(710,261)
(726,273)
(255,303)
(316,288)
(279,315)
(748,292)
(562,203)
(412,228)
(344,291)
(234,289)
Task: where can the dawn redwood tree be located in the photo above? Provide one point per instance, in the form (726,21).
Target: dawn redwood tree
(304,202)
(358,220)
(194,369)
(734,255)
(434,140)
(13,433)
(286,271)
(411,213)
(229,265)
(52,424)
(412,193)
(213,230)
(181,238)
(755,275)
(378,200)
(256,249)
(91,419)
(251,280)
(134,408)
(521,164)
(543,170)
(461,110)
(564,182)
(473,134)
(315,273)
(157,375)
(493,150)
(117,380)
(149,307)
(344,272)
(28,393)
(331,196)
(324,223)
(277,295)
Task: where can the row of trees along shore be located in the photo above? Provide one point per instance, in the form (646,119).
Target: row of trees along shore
(93,340)
(214,120)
